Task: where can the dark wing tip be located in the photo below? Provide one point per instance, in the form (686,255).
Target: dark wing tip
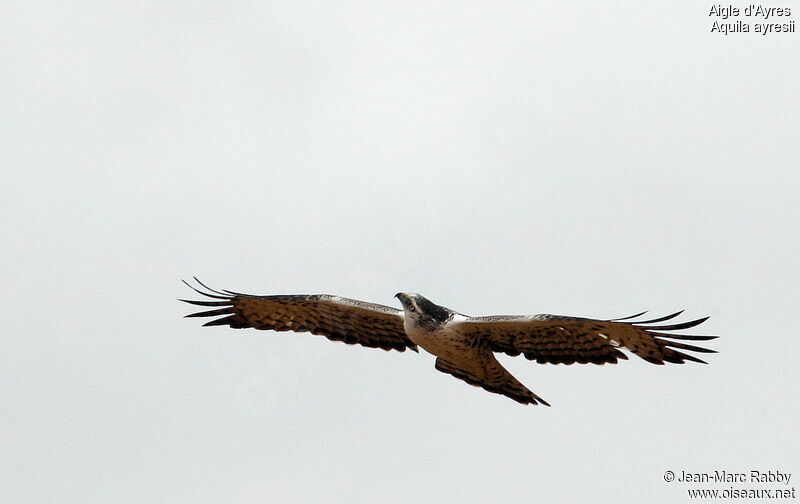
(206,303)
(628,317)
(676,327)
(659,319)
(216,294)
(683,346)
(668,344)
(687,337)
(209,288)
(226,304)
(688,357)
(212,313)
(230,320)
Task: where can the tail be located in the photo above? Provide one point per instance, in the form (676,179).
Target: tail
(489,375)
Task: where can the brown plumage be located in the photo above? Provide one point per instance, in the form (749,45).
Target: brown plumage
(336,318)
(463,345)
(566,340)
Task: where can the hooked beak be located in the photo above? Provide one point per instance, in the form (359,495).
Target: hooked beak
(401,296)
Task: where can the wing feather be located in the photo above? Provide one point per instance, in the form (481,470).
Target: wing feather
(676,327)
(336,318)
(559,339)
(629,317)
(205,303)
(653,321)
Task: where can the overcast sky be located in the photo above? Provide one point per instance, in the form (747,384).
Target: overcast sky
(497,157)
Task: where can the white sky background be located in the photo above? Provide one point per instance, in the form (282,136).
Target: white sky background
(498,157)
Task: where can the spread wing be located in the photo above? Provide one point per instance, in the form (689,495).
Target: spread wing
(336,318)
(564,340)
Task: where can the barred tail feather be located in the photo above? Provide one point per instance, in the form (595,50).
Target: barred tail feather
(497,380)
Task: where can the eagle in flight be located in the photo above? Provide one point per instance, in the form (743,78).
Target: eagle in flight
(464,346)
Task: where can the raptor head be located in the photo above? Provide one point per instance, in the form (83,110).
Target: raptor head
(422,311)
